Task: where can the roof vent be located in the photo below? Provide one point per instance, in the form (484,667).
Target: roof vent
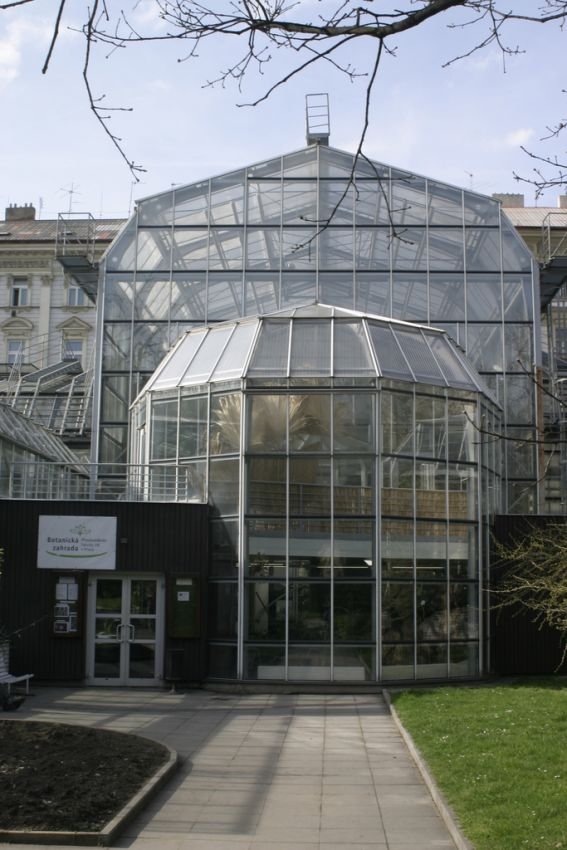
(317,119)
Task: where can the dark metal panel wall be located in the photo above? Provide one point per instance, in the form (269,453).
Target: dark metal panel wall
(171,539)
(519,646)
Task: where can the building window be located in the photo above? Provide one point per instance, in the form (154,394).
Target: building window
(19,295)
(15,352)
(76,297)
(72,349)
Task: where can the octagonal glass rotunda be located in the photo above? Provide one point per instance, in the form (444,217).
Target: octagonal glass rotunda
(345,461)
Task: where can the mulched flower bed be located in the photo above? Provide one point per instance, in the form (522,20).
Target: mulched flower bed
(58,777)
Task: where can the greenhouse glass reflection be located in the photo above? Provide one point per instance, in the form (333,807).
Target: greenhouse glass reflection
(343,457)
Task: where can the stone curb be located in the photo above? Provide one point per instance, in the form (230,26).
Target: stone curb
(445,810)
(109,833)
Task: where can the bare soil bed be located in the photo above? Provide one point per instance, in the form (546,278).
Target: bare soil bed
(58,777)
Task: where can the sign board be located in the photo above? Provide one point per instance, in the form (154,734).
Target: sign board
(76,543)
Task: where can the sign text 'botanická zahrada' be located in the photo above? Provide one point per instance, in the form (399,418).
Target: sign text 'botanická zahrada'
(76,543)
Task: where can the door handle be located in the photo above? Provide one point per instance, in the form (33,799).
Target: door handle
(118,634)
(132,635)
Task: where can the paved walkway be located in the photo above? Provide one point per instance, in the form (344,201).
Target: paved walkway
(265,772)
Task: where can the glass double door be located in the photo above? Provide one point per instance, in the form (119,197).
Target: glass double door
(125,645)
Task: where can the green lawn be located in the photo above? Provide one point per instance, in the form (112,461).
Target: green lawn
(499,754)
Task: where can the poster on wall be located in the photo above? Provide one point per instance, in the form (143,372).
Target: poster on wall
(76,543)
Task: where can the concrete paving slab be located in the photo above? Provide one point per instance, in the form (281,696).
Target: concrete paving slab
(265,771)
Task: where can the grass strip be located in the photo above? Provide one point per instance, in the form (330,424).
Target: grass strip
(499,755)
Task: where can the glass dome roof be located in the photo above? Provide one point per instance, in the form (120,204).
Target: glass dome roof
(315,341)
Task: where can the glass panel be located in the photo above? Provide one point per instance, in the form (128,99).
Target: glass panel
(445,204)
(142,661)
(451,365)
(152,297)
(171,373)
(223,609)
(223,486)
(446,297)
(108,595)
(271,353)
(431,486)
(397,487)
(122,254)
(310,486)
(301,164)
(235,355)
(164,430)
(419,356)
(192,203)
(224,547)
(150,343)
(462,492)
(391,361)
(156,210)
(261,293)
(226,249)
(372,248)
(227,199)
(518,302)
(267,415)
(431,550)
(299,248)
(266,487)
(309,423)
(397,429)
(264,201)
(351,352)
(309,547)
(191,481)
(430,427)
(397,611)
(397,543)
(266,547)
(190,249)
(224,429)
(113,446)
(483,250)
(431,610)
(300,202)
(484,347)
(354,486)
(115,398)
(107,661)
(297,289)
(519,399)
(224,296)
(336,201)
(116,347)
(154,249)
(431,662)
(265,610)
(463,615)
(408,200)
(354,664)
(310,348)
(192,426)
(107,628)
(263,248)
(462,551)
(264,662)
(143,596)
(518,348)
(353,424)
(337,288)
(409,296)
(484,298)
(309,664)
(336,248)
(353,547)
(144,628)
(354,612)
(397,662)
(464,659)
(462,435)
(205,359)
(372,294)
(118,297)
(309,611)
(521,450)
(446,249)
(372,202)
(409,249)
(480,210)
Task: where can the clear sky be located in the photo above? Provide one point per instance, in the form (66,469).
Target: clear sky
(463,124)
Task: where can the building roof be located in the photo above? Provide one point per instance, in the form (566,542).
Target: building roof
(45,230)
(536,216)
(315,341)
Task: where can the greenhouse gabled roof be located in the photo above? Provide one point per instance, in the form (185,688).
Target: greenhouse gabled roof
(24,432)
(315,341)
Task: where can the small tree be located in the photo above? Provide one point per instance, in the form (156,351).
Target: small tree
(533,576)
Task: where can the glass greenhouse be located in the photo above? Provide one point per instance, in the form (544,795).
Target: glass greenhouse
(336,393)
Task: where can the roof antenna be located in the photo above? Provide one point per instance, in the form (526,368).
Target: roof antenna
(317,119)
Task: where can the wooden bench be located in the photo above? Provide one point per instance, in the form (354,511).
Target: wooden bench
(6,678)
